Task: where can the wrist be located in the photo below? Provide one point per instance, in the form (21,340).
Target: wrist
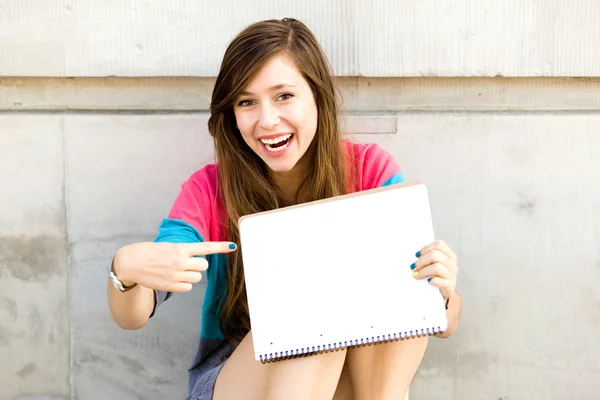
(451,299)
(119,271)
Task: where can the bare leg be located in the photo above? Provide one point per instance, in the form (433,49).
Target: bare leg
(382,371)
(315,377)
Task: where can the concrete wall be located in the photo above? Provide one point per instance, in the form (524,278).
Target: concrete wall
(90,163)
(363,38)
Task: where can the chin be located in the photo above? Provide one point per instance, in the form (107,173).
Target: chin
(281,166)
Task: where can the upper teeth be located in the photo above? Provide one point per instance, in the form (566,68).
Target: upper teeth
(276,140)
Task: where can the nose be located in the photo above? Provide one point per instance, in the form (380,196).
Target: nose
(269,117)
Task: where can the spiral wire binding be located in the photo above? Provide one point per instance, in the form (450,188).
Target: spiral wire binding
(331,347)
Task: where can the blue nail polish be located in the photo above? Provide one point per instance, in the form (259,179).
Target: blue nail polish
(413,266)
(232,246)
(418,254)
(429,279)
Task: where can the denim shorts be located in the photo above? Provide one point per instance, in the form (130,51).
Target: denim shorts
(203,379)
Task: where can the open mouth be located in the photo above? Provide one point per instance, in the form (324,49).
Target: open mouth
(277,144)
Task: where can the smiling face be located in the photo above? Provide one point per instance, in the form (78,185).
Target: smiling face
(277,114)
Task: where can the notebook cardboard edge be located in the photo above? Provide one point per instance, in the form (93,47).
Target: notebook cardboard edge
(336,198)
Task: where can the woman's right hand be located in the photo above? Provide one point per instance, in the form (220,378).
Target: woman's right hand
(170,267)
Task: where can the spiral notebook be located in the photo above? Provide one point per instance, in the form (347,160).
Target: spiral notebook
(335,273)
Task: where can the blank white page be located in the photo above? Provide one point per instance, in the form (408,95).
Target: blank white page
(336,272)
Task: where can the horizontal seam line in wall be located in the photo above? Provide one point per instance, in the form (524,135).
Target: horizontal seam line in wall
(366,114)
(104,111)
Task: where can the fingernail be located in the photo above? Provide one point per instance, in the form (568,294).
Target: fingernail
(232,246)
(413,266)
(416,274)
(418,254)
(429,279)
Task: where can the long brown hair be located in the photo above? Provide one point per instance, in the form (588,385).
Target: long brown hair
(244,183)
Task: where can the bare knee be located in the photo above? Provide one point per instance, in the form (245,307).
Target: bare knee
(409,349)
(313,377)
(385,370)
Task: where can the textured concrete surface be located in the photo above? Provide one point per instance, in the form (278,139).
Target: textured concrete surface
(124,173)
(384,38)
(514,193)
(34,301)
(359,94)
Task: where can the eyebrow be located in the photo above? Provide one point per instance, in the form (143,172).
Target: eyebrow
(272,88)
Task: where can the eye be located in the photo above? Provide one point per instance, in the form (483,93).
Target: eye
(245,103)
(286,96)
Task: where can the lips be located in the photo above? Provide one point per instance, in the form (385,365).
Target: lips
(273,139)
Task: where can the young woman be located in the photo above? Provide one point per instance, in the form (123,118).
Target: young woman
(274,119)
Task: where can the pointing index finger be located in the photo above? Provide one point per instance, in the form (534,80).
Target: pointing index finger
(205,248)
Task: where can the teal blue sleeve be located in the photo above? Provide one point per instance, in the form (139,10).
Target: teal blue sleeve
(177,231)
(394,179)
(173,231)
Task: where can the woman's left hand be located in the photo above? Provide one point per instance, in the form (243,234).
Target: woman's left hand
(439,265)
